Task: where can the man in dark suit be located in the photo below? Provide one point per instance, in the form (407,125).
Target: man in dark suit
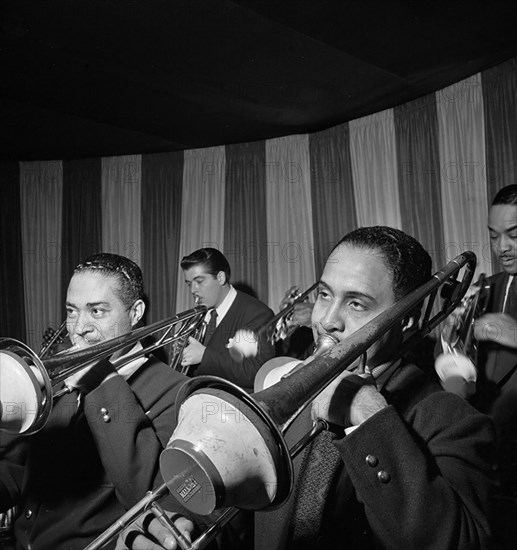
(409,465)
(98,453)
(496,391)
(207,274)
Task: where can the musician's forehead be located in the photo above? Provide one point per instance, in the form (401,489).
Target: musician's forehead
(358,270)
(502,217)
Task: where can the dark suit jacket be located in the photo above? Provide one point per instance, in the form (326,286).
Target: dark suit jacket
(496,361)
(435,451)
(246,312)
(87,466)
(500,401)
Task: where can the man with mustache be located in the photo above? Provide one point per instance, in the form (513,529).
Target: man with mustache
(496,392)
(98,453)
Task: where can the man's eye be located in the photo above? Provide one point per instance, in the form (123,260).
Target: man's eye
(71,313)
(513,236)
(322,294)
(357,306)
(96,312)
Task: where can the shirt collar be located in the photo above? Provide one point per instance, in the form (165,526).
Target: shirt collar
(225,305)
(381,373)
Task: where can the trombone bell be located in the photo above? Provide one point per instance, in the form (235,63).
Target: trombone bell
(212,462)
(27,382)
(232,455)
(25,389)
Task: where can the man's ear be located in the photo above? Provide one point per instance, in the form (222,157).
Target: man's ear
(136,312)
(221,277)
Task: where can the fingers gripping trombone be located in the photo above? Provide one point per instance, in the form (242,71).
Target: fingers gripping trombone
(213,465)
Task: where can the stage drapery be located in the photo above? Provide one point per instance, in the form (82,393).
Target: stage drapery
(275,207)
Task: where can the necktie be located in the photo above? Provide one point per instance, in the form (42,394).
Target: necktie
(210,328)
(511,300)
(320,464)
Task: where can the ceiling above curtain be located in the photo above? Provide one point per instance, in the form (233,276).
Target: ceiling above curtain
(91,78)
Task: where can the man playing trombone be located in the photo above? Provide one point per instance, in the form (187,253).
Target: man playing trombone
(207,274)
(98,453)
(408,465)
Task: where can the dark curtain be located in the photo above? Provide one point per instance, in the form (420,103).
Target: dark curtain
(12,315)
(82,211)
(332,191)
(416,128)
(500,110)
(162,180)
(245,231)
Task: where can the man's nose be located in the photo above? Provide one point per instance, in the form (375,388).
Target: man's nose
(503,243)
(83,325)
(333,319)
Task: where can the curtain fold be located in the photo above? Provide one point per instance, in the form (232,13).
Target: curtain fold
(416,128)
(462,174)
(245,234)
(332,190)
(203,208)
(82,210)
(41,184)
(374,168)
(289,216)
(499,86)
(12,314)
(121,206)
(162,178)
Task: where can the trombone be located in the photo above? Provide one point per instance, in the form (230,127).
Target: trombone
(228,450)
(29,382)
(456,366)
(245,343)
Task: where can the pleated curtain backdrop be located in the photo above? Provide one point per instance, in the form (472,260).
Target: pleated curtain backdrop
(274,207)
(290,256)
(162,179)
(245,233)
(463,176)
(41,192)
(202,213)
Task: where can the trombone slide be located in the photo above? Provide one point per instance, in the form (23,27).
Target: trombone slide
(205,465)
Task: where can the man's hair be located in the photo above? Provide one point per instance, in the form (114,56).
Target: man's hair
(403,255)
(129,280)
(506,195)
(213,260)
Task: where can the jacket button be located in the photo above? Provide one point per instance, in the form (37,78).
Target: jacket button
(104,411)
(383,476)
(28,513)
(372,460)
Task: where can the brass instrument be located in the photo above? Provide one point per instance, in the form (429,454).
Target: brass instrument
(280,327)
(228,450)
(275,369)
(245,343)
(456,366)
(7,518)
(29,383)
(180,342)
(56,338)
